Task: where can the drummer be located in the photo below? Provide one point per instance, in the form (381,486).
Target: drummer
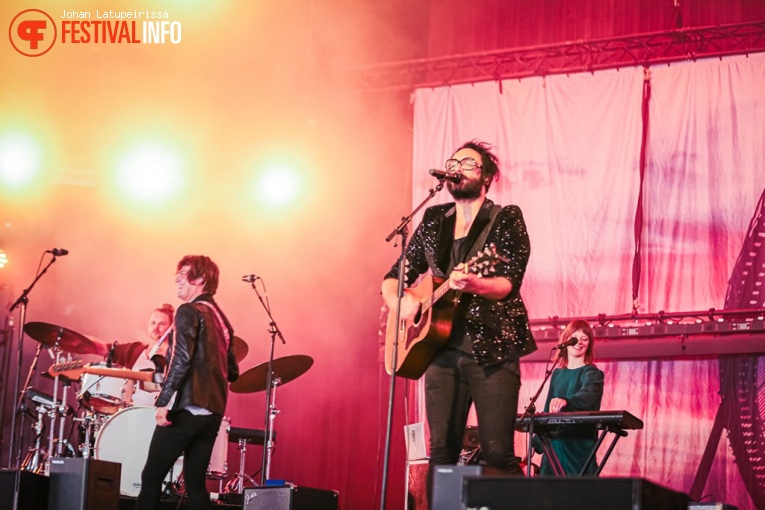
(138,355)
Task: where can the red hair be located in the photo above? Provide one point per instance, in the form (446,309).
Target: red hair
(568,332)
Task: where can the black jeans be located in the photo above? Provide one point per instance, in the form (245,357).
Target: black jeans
(190,436)
(452,382)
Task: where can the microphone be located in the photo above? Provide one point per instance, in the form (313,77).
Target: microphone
(250,278)
(58,252)
(568,343)
(443,175)
(110,355)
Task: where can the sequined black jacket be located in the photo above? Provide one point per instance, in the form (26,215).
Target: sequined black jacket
(499,330)
(202,361)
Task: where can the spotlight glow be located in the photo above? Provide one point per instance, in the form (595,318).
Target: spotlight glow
(3,259)
(20,160)
(278,185)
(150,173)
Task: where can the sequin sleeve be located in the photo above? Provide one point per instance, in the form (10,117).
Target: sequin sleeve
(512,241)
(421,247)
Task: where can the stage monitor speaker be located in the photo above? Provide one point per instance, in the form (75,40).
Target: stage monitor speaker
(288,498)
(84,484)
(571,493)
(447,485)
(33,490)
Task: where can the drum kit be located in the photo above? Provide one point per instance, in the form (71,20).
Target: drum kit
(113,429)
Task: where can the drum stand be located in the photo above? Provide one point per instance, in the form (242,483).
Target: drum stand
(88,422)
(237,483)
(62,412)
(242,437)
(34,461)
(269,440)
(54,408)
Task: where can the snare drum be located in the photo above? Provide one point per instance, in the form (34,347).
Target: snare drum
(105,395)
(218,465)
(125,438)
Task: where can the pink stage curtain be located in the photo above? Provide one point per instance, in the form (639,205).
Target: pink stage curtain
(569,148)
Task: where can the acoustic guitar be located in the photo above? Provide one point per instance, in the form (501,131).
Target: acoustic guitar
(420,338)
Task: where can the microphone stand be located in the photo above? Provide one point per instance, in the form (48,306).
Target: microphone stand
(268,445)
(22,301)
(531,409)
(402,231)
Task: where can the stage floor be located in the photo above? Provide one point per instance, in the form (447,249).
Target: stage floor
(171,503)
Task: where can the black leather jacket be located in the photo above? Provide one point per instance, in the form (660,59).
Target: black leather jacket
(498,330)
(201,361)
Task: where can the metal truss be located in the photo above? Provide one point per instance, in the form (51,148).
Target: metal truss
(663,334)
(565,58)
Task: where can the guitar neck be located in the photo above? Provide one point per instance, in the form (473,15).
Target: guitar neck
(472,266)
(121,373)
(75,370)
(437,294)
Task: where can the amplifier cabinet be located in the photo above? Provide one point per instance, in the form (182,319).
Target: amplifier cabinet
(33,490)
(84,484)
(571,493)
(288,497)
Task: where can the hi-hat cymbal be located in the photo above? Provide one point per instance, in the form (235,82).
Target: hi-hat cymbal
(283,369)
(240,349)
(68,340)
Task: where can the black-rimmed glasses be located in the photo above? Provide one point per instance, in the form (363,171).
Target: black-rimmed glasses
(456,165)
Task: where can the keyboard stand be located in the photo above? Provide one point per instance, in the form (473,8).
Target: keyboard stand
(547,449)
(617,434)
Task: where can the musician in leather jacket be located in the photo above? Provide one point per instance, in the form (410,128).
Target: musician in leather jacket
(191,404)
(490,329)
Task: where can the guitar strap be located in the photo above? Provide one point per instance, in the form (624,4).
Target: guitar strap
(220,320)
(480,241)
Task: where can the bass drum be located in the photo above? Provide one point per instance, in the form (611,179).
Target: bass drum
(125,438)
(218,464)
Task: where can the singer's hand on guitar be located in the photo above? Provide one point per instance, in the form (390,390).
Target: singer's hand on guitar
(460,279)
(490,287)
(409,306)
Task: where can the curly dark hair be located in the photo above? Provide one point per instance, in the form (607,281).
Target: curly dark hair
(489,161)
(202,267)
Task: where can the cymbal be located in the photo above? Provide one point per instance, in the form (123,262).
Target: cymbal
(285,369)
(240,348)
(68,340)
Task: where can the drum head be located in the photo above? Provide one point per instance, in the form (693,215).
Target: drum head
(125,438)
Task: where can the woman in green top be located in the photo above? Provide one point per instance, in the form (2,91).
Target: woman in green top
(576,386)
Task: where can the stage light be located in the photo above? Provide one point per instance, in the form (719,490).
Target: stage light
(278,185)
(3,259)
(150,173)
(20,160)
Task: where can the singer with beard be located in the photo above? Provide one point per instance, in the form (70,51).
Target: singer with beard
(576,386)
(490,329)
(191,404)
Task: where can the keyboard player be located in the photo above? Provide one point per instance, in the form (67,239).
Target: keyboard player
(577,385)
